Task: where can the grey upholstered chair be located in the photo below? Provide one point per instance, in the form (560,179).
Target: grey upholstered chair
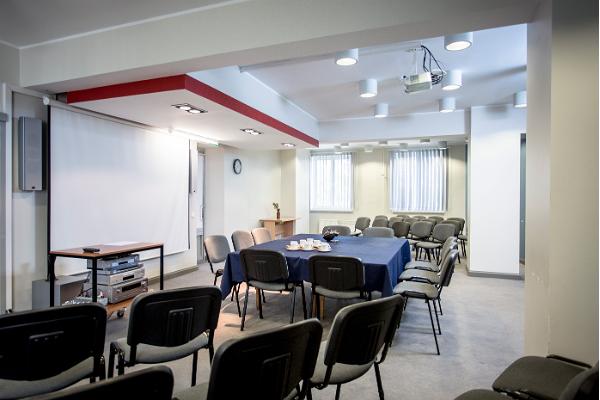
(360,334)
(410,220)
(462,238)
(401,229)
(216,248)
(381,217)
(430,292)
(437,218)
(268,270)
(378,231)
(458,227)
(419,231)
(168,325)
(46,350)
(449,244)
(419,217)
(336,277)
(393,220)
(432,220)
(343,230)
(440,233)
(422,275)
(361,224)
(261,235)
(380,221)
(242,240)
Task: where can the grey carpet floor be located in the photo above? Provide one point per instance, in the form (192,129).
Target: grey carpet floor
(482,332)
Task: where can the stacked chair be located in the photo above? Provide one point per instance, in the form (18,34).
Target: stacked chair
(462,238)
(419,231)
(440,233)
(550,378)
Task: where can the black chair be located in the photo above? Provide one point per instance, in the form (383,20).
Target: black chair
(168,325)
(537,382)
(336,277)
(270,365)
(47,350)
(359,334)
(268,270)
(154,383)
(440,233)
(449,244)
(430,292)
(542,377)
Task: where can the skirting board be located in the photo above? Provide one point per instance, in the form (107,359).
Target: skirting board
(518,277)
(174,274)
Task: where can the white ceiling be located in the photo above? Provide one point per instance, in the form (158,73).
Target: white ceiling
(219,123)
(27,22)
(493,69)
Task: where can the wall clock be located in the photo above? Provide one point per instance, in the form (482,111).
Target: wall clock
(237,166)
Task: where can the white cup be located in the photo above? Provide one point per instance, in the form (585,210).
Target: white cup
(325,247)
(302,243)
(309,240)
(316,242)
(293,243)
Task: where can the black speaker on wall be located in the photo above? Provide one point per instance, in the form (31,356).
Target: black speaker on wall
(31,153)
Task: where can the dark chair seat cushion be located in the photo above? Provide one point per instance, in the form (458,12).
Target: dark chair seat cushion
(418,274)
(422,264)
(416,289)
(148,354)
(543,377)
(428,245)
(346,294)
(482,394)
(341,373)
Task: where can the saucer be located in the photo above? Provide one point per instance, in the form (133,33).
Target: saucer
(292,248)
(324,250)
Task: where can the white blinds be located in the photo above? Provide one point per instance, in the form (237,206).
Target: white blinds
(418,180)
(331,182)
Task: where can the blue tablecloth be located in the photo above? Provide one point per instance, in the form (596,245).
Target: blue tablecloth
(384,260)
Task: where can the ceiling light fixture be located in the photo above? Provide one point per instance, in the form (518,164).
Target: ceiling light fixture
(368,88)
(337,149)
(288,145)
(447,104)
(426,140)
(443,144)
(251,131)
(452,80)
(459,41)
(520,99)
(368,149)
(381,110)
(344,145)
(189,108)
(347,57)
(403,146)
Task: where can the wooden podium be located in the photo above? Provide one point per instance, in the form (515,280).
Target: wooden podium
(280,228)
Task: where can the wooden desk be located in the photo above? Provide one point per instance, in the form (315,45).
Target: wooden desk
(105,251)
(279,228)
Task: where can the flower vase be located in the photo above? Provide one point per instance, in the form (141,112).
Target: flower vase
(278,214)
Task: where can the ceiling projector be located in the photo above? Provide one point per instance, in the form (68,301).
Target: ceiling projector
(417,82)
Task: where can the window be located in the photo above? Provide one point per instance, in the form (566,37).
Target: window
(418,180)
(331,182)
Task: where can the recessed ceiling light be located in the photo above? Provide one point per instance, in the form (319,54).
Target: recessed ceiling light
(368,149)
(443,144)
(426,140)
(382,142)
(368,88)
(447,104)
(520,99)
(194,111)
(460,41)
(403,146)
(347,57)
(189,108)
(337,149)
(251,131)
(288,144)
(184,107)
(452,80)
(381,110)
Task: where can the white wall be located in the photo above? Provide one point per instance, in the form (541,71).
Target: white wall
(371,196)
(561,281)
(494,159)
(295,173)
(9,64)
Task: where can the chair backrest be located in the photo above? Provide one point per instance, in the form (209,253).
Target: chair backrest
(154,383)
(378,231)
(381,217)
(461,220)
(217,248)
(393,220)
(261,235)
(264,265)
(401,228)
(402,216)
(582,386)
(410,220)
(456,224)
(242,240)
(421,229)
(173,317)
(433,221)
(442,231)
(451,243)
(437,218)
(419,217)
(336,272)
(362,223)
(447,268)
(343,230)
(43,343)
(266,365)
(359,331)
(380,222)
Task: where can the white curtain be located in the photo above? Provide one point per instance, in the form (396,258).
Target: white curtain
(331,182)
(418,180)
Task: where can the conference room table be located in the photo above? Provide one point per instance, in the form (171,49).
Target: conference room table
(383,258)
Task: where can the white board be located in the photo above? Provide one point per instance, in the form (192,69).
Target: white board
(112,182)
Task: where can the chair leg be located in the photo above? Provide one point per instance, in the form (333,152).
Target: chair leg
(211,353)
(194,367)
(458,255)
(102,368)
(436,317)
(379,383)
(303,300)
(245,308)
(121,363)
(233,292)
(337,391)
(264,299)
(259,303)
(215,280)
(433,328)
(111,360)
(428,253)
(237,298)
(440,304)
(293,304)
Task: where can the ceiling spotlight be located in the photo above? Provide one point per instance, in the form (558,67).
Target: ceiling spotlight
(381,110)
(368,149)
(368,88)
(194,111)
(251,131)
(344,145)
(426,140)
(447,104)
(184,107)
(520,99)
(403,146)
(189,108)
(337,149)
(452,80)
(382,142)
(290,145)
(443,144)
(347,57)
(460,41)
